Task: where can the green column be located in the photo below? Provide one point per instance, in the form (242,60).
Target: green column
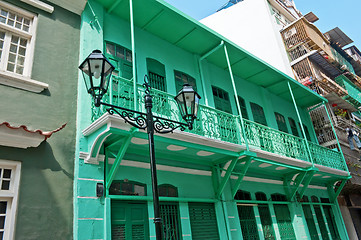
(236,96)
(301,124)
(133,54)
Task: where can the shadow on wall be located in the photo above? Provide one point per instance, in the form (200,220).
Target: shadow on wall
(45,193)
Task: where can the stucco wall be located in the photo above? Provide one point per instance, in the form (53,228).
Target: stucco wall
(46,185)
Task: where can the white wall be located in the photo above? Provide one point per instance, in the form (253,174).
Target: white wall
(250,25)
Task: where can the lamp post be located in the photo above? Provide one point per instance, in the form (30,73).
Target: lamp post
(97,70)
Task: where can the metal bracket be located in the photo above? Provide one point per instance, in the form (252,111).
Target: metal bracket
(241,176)
(118,159)
(331,189)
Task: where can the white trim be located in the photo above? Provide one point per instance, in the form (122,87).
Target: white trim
(23,80)
(19,81)
(39,4)
(10,220)
(19,138)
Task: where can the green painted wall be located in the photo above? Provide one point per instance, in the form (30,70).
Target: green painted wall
(46,184)
(89,211)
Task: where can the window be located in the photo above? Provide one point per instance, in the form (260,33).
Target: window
(246,217)
(283,217)
(9,187)
(169,212)
(242,104)
(258,114)
(17,28)
(121,58)
(156,74)
(281,122)
(266,219)
(221,100)
(167,190)
(181,79)
(127,188)
(293,127)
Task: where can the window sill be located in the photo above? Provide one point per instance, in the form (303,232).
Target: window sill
(18,81)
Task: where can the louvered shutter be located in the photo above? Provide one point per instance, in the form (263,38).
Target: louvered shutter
(203,221)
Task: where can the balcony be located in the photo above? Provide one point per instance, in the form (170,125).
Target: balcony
(221,126)
(302,37)
(354,93)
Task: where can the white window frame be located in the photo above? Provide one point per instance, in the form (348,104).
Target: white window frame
(23,80)
(11,196)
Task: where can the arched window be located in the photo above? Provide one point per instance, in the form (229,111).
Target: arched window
(293,127)
(243,107)
(242,195)
(156,74)
(260,196)
(281,122)
(167,190)
(123,187)
(182,78)
(258,114)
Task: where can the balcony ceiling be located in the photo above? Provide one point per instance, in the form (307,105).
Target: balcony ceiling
(168,23)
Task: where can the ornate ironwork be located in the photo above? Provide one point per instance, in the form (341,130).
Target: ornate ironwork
(214,124)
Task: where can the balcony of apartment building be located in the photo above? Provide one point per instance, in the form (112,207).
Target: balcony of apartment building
(316,59)
(340,111)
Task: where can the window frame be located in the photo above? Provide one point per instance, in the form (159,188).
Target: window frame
(281,124)
(10,196)
(8,78)
(253,110)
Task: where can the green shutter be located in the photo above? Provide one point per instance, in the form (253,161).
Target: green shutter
(182,78)
(258,114)
(221,100)
(281,122)
(306,131)
(248,222)
(129,221)
(284,222)
(242,104)
(310,222)
(121,58)
(203,221)
(293,127)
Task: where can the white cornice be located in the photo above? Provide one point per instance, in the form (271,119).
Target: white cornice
(18,81)
(19,138)
(39,4)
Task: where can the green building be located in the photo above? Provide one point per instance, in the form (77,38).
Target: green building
(39,47)
(250,169)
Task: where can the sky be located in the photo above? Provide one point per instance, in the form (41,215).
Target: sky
(345,14)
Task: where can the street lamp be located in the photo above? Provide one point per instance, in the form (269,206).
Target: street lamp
(96,70)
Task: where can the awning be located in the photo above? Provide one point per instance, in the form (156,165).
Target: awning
(339,37)
(173,26)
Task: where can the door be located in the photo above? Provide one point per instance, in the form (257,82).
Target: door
(129,221)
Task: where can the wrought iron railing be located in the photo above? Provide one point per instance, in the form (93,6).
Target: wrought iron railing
(272,140)
(223,126)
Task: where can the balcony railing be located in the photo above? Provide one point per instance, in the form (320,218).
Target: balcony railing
(219,125)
